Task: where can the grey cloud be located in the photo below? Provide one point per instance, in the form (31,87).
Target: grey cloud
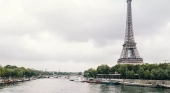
(99,21)
(78,21)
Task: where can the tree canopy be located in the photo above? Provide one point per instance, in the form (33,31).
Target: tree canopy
(14,71)
(145,71)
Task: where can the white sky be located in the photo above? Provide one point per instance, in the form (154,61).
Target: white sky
(74,35)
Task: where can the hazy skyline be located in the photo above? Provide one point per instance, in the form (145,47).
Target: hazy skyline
(74,35)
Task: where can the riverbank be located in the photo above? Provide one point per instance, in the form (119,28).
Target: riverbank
(166,82)
(145,83)
(15,80)
(133,82)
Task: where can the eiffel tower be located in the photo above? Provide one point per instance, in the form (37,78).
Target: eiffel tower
(129,53)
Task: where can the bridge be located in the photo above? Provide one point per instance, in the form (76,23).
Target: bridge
(58,76)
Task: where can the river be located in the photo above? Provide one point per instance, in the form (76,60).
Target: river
(55,85)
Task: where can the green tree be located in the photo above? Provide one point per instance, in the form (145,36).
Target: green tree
(103,69)
(86,73)
(2,71)
(154,74)
(147,74)
(132,74)
(91,72)
(28,73)
(130,67)
(117,67)
(123,70)
(141,73)
(10,67)
(168,71)
(19,72)
(113,69)
(152,66)
(7,73)
(162,74)
(163,66)
(136,67)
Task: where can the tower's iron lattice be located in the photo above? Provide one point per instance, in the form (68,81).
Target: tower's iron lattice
(129,53)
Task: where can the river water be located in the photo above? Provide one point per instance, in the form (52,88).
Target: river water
(65,86)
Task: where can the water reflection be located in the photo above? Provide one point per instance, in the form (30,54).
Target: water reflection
(130,89)
(133,89)
(66,86)
(104,88)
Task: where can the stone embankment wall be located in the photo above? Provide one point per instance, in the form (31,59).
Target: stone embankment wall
(166,82)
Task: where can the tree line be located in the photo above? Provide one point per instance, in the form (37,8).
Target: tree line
(10,71)
(127,71)
(17,72)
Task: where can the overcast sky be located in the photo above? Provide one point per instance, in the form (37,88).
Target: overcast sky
(74,35)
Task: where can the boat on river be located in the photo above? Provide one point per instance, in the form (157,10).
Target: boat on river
(110,82)
(140,84)
(92,80)
(71,78)
(164,86)
(80,79)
